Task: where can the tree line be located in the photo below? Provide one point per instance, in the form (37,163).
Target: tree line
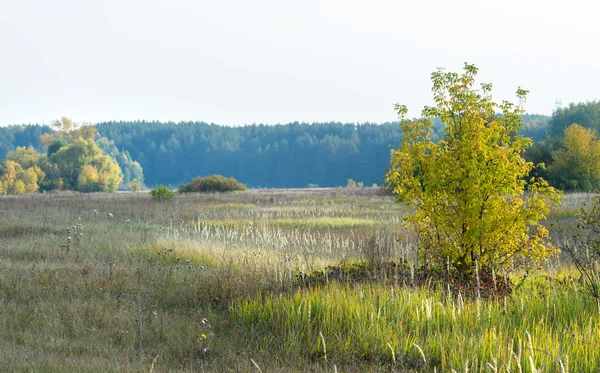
(302,154)
(570,151)
(289,155)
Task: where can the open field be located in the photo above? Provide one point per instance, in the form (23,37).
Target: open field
(118,282)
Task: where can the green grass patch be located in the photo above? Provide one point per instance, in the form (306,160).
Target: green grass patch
(428,330)
(323,222)
(228,223)
(563,214)
(22,230)
(233,206)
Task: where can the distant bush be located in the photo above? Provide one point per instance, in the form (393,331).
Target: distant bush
(162,193)
(212,184)
(135,185)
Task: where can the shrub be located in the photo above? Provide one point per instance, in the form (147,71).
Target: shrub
(162,193)
(478,214)
(585,248)
(135,185)
(212,184)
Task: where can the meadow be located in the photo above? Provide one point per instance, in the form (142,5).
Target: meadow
(217,283)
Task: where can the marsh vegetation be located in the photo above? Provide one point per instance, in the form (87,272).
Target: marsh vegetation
(119,282)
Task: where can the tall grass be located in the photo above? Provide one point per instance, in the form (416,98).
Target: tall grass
(208,283)
(422,329)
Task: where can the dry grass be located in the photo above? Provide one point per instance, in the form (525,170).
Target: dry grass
(206,283)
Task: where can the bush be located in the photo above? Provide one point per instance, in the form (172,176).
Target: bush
(135,185)
(212,184)
(162,193)
(584,249)
(479,213)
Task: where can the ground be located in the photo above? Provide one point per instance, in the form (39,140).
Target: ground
(118,282)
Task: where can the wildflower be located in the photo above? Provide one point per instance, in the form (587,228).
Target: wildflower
(110,215)
(202,336)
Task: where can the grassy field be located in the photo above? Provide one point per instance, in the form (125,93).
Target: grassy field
(209,283)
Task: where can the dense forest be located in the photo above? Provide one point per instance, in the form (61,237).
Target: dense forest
(292,155)
(284,155)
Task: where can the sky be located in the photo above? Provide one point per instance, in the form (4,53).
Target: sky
(239,62)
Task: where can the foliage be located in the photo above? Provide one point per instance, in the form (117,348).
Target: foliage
(16,180)
(83,167)
(540,154)
(131,169)
(135,185)
(73,161)
(212,184)
(162,193)
(576,165)
(586,114)
(21,172)
(22,135)
(468,190)
(56,145)
(66,130)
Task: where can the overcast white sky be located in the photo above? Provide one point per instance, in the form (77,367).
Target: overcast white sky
(239,62)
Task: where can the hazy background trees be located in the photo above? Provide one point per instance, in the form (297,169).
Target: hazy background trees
(586,114)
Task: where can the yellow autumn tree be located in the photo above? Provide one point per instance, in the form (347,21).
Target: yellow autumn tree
(576,165)
(73,161)
(26,157)
(18,187)
(68,130)
(16,180)
(466,193)
(79,162)
(30,180)
(87,181)
(9,176)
